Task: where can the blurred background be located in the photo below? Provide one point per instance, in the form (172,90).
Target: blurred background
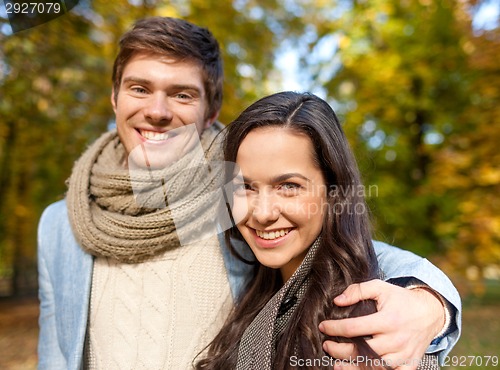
(416,84)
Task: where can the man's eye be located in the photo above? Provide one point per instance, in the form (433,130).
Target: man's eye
(183,96)
(139,90)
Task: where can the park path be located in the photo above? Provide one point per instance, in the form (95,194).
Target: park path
(18,333)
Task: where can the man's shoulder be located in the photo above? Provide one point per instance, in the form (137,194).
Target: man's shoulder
(382,247)
(54,226)
(55,215)
(56,208)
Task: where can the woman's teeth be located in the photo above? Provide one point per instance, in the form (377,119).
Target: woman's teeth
(273,234)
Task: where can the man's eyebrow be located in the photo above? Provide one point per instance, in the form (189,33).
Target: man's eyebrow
(138,80)
(180,87)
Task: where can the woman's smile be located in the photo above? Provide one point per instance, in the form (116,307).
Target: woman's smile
(279,197)
(272,239)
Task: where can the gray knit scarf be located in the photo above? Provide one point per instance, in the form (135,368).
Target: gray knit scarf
(108,220)
(257,346)
(256,350)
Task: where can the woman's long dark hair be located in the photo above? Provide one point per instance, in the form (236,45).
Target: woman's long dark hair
(345,255)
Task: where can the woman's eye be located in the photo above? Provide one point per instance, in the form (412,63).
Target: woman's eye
(241,188)
(289,187)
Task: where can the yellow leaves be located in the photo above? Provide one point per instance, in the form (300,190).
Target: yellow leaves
(42,105)
(492,272)
(478,230)
(468,206)
(473,273)
(449,170)
(42,84)
(445,228)
(468,47)
(21,211)
(167,10)
(344,42)
(425,2)
(323,4)
(346,88)
(401,72)
(487,175)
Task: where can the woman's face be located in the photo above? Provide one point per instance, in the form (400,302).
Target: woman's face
(279,197)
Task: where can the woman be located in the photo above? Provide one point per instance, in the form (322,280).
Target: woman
(298,205)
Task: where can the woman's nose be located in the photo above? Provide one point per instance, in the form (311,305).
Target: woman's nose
(266,208)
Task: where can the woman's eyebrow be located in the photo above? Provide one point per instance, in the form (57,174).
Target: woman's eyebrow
(278,178)
(287,176)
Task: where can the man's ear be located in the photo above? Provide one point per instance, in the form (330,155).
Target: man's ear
(113,100)
(210,120)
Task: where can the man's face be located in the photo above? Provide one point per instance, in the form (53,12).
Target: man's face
(160,104)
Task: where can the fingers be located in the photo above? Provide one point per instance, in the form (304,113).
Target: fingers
(345,366)
(347,351)
(354,327)
(399,334)
(358,292)
(343,351)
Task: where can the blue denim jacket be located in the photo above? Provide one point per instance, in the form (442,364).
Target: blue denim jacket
(65,273)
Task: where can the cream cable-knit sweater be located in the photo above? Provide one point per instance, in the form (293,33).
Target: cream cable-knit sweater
(157,314)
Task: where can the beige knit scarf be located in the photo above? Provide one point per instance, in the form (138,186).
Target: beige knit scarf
(106,216)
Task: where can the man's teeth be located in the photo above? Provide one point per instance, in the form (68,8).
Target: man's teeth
(152,135)
(273,234)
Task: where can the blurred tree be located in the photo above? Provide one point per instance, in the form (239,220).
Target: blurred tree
(55,82)
(418,90)
(469,167)
(416,86)
(50,77)
(409,82)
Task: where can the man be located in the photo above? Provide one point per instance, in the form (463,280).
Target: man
(118,290)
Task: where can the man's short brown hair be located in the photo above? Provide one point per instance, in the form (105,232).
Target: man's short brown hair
(179,40)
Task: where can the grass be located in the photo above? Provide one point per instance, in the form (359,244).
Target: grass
(480,333)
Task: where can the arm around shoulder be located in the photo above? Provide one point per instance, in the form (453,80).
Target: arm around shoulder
(404,268)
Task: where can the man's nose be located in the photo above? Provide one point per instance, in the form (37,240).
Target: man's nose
(158,110)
